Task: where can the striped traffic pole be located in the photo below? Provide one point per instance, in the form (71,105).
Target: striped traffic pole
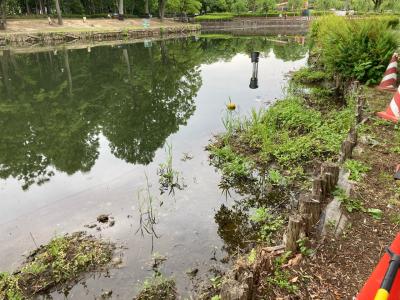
(389,80)
(392,113)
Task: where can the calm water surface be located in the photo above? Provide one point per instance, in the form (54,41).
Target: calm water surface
(83,133)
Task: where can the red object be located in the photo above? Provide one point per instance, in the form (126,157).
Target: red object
(392,113)
(389,80)
(374,281)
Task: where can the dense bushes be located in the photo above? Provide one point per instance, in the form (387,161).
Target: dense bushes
(215,17)
(230,16)
(354,49)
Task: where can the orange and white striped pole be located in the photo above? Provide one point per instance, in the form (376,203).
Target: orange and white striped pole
(389,80)
(392,113)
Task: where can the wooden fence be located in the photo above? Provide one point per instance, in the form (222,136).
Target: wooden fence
(326,176)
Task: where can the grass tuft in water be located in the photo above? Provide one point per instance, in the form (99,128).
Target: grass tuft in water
(158,288)
(60,262)
(168,177)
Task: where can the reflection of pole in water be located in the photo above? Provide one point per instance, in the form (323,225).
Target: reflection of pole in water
(254,76)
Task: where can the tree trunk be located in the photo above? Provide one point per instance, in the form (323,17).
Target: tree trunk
(121,7)
(3,21)
(58,9)
(48,7)
(377,4)
(161,8)
(146,7)
(28,9)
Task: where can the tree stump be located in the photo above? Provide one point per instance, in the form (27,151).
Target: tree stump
(317,191)
(360,108)
(294,229)
(345,151)
(352,137)
(310,211)
(331,174)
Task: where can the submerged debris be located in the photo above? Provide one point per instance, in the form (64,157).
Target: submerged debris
(102,218)
(58,264)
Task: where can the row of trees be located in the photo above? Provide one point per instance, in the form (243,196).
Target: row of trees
(182,7)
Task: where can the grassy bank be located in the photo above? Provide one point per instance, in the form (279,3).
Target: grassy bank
(282,144)
(59,263)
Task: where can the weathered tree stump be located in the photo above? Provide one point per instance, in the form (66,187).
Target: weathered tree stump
(310,211)
(345,151)
(360,108)
(331,174)
(352,137)
(293,231)
(317,189)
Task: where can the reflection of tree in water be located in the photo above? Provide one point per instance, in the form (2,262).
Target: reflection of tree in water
(234,227)
(160,96)
(53,106)
(290,51)
(234,223)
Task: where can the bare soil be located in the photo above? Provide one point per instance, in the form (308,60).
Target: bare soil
(78,25)
(342,264)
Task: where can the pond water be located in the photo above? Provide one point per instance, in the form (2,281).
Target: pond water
(83,132)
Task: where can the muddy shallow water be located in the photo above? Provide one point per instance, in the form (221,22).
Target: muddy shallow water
(83,133)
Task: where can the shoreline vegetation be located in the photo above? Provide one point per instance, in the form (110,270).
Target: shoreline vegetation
(278,149)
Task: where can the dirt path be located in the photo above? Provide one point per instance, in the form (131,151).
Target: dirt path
(343,263)
(78,25)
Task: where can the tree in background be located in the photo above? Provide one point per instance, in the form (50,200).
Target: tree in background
(295,4)
(214,5)
(161,8)
(121,7)
(184,7)
(58,9)
(239,6)
(3,23)
(377,4)
(265,5)
(328,4)
(391,5)
(361,5)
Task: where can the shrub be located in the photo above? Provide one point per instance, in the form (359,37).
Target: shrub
(215,17)
(355,49)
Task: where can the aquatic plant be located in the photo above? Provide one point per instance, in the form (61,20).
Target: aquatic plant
(147,213)
(168,177)
(157,288)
